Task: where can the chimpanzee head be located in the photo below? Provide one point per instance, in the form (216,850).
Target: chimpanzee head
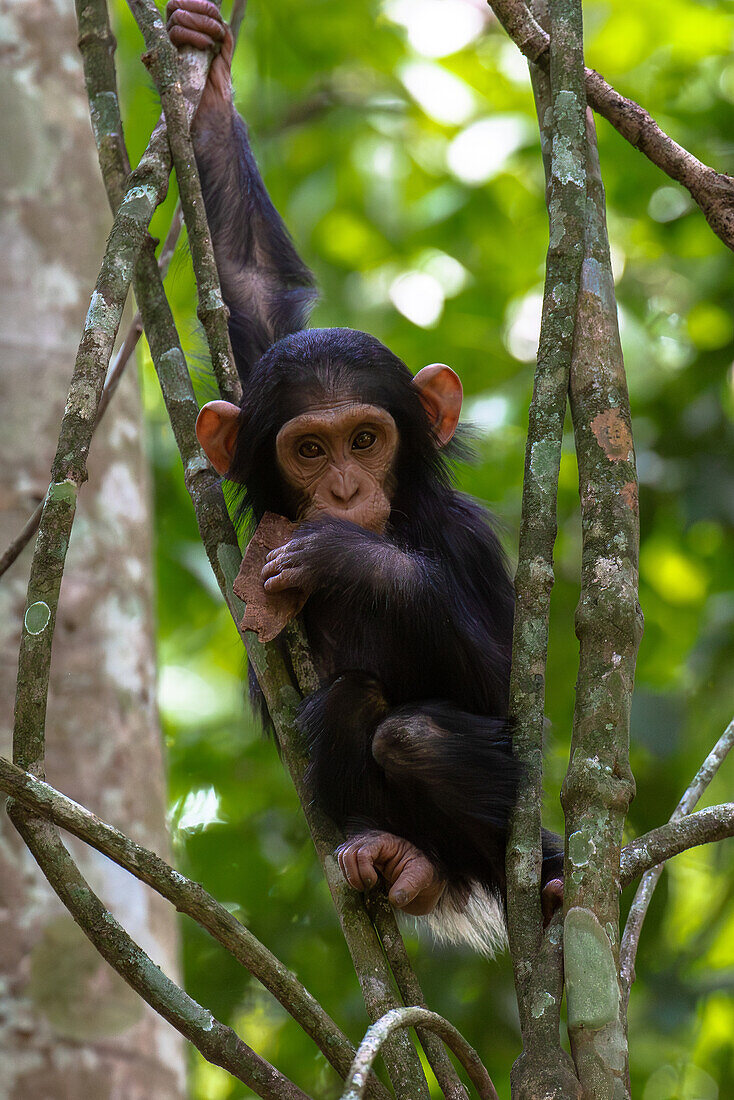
(333,423)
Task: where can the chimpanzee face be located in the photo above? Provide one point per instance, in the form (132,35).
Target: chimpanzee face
(337,457)
(337,460)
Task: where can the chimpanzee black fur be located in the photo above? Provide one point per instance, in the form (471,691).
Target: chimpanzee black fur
(411,630)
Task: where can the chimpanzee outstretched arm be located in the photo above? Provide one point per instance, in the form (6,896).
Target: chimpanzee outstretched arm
(268,289)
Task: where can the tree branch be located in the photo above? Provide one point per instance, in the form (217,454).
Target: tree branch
(218,1043)
(643,897)
(712,191)
(192,899)
(680,834)
(400,1018)
(543,1067)
(382,916)
(599,785)
(162,59)
(145,188)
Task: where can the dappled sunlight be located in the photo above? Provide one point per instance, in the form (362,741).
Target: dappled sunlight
(444,96)
(522,331)
(197,810)
(481,151)
(487,412)
(673,575)
(419,297)
(436,28)
(188,698)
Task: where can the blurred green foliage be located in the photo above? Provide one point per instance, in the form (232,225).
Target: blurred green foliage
(398,140)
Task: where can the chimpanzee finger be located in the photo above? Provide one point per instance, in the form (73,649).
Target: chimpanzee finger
(184,36)
(348,867)
(198,24)
(201,7)
(366,867)
(357,866)
(274,566)
(293,546)
(287,578)
(416,879)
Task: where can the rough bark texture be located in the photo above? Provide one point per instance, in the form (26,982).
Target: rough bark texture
(599,785)
(68,1025)
(543,1068)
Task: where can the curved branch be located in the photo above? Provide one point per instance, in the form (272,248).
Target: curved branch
(382,915)
(643,897)
(368,956)
(219,1044)
(659,845)
(711,190)
(416,1017)
(192,899)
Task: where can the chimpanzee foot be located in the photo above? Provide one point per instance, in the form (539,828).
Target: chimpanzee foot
(551,899)
(414,883)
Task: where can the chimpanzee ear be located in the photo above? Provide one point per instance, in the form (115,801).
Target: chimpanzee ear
(441,393)
(216,430)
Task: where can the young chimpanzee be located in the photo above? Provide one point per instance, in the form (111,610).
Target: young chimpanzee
(409,609)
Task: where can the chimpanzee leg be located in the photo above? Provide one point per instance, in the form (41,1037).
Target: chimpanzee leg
(339,722)
(463,765)
(439,778)
(461,769)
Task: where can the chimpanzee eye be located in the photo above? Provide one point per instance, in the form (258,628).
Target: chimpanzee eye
(363,441)
(309,449)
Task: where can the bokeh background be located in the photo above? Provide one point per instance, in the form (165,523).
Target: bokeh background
(398,140)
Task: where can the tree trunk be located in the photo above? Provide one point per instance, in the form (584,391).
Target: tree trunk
(69,1026)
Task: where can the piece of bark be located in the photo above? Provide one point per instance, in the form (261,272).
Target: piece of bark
(266,613)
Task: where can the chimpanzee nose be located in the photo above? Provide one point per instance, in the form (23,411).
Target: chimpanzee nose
(344,486)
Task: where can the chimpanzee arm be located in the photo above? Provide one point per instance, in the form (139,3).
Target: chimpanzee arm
(339,555)
(268,289)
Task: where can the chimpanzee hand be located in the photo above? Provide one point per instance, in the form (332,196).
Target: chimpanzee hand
(199,23)
(320,552)
(296,564)
(415,885)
